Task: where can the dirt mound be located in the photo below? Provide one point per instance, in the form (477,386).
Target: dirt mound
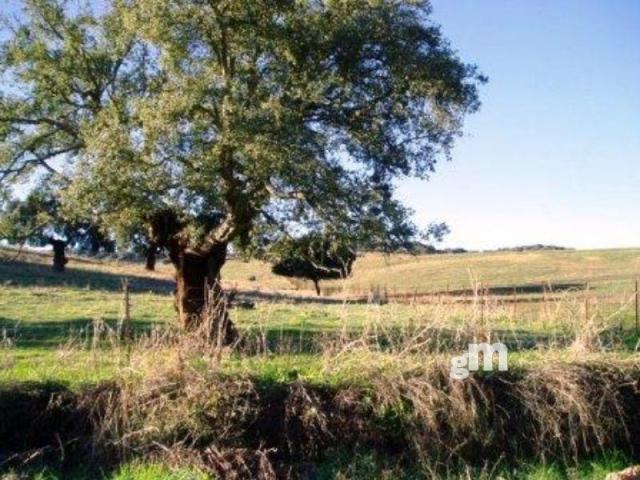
(244,428)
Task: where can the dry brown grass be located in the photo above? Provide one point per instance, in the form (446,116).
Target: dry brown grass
(178,404)
(393,395)
(560,411)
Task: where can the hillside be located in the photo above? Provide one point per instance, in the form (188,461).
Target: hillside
(609,270)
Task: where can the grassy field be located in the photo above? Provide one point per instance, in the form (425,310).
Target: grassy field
(571,308)
(43,315)
(605,270)
(608,270)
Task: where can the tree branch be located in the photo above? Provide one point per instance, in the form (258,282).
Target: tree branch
(41,121)
(39,159)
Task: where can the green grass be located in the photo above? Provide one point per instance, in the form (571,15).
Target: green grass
(47,319)
(47,323)
(131,471)
(151,471)
(73,368)
(367,466)
(362,466)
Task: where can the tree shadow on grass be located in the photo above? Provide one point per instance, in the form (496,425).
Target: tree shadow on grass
(511,294)
(52,334)
(525,293)
(310,340)
(524,289)
(26,274)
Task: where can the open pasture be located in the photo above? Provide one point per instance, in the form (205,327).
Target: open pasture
(528,300)
(383,338)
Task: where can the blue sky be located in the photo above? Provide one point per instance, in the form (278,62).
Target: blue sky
(554,154)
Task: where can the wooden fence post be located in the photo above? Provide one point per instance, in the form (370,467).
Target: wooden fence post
(124,325)
(637,308)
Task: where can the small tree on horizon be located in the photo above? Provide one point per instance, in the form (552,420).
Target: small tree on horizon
(216,123)
(313,257)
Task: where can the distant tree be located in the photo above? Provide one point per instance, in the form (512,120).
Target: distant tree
(91,239)
(137,241)
(37,220)
(34,220)
(531,248)
(436,232)
(226,121)
(151,253)
(313,257)
(433,235)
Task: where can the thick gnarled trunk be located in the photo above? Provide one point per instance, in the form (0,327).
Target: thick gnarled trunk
(200,300)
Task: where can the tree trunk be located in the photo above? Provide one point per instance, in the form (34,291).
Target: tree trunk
(200,300)
(94,249)
(59,257)
(316,283)
(150,255)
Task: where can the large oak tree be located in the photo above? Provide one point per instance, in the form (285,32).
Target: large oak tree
(218,122)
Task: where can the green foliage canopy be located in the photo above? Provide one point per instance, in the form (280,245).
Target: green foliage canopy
(278,117)
(312,256)
(33,219)
(37,220)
